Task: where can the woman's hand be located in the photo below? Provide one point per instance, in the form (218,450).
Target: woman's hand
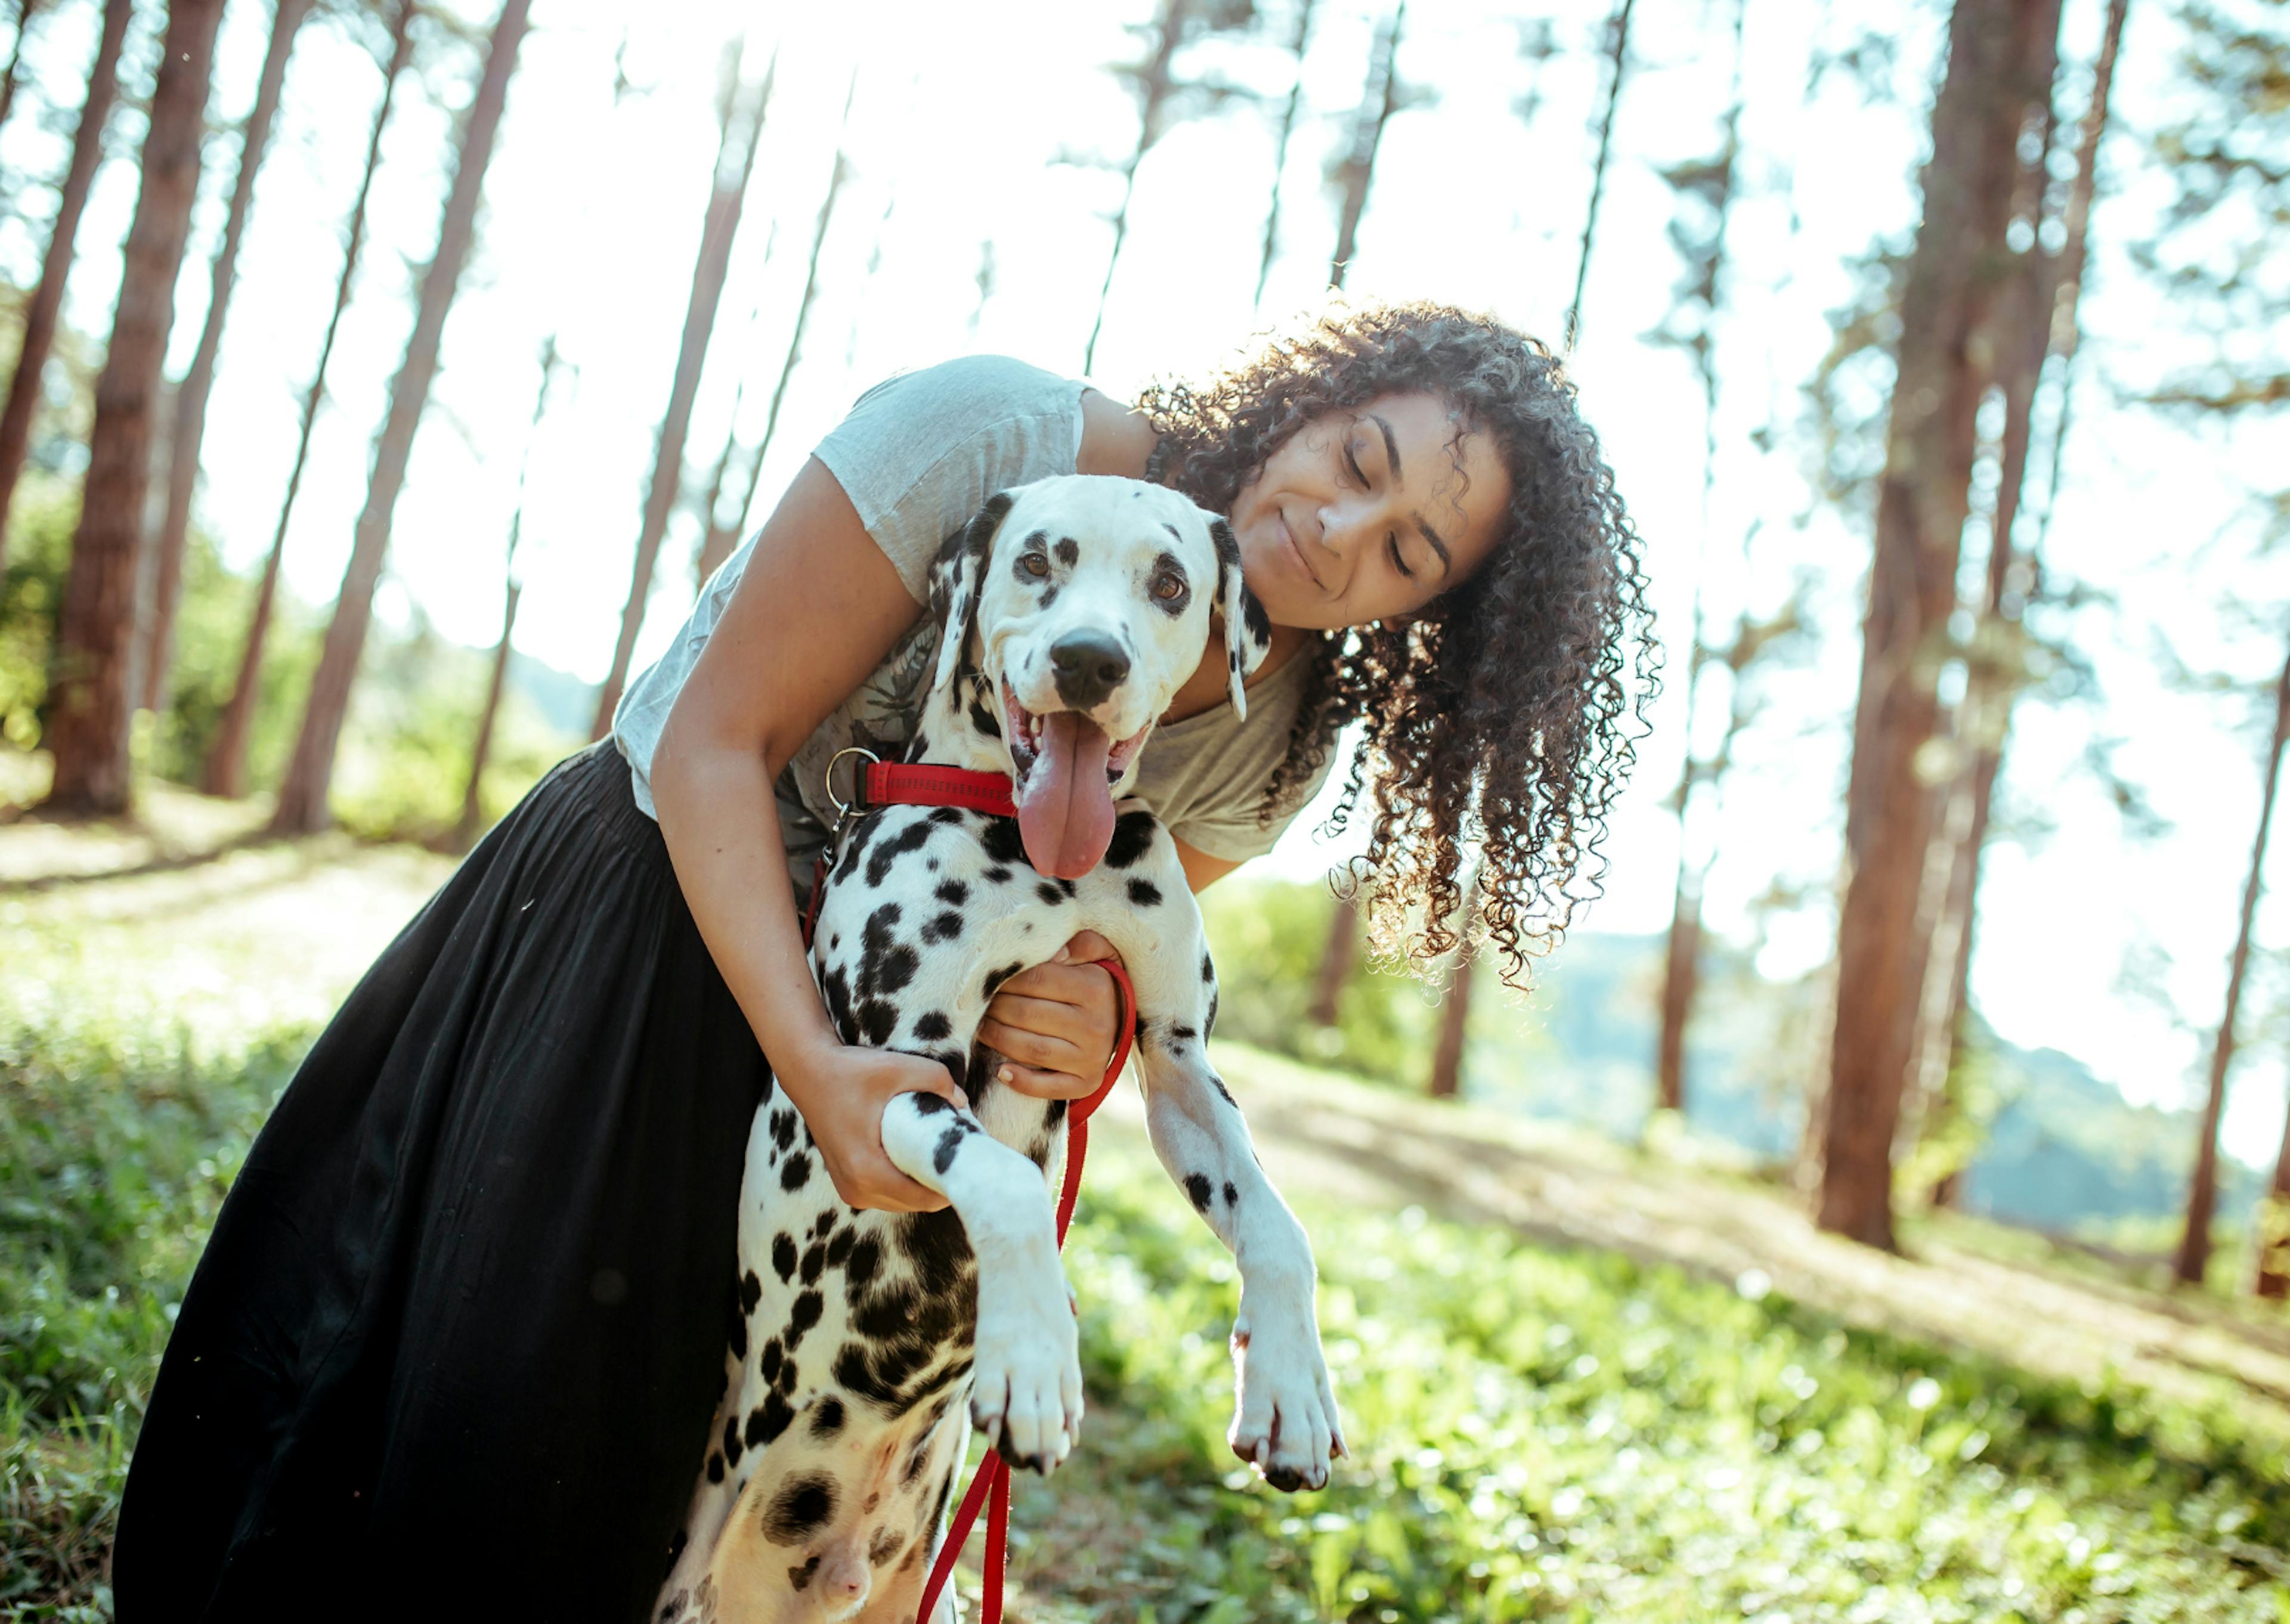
(1057,1023)
(842,1091)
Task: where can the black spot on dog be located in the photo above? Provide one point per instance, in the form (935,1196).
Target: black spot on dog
(788,1376)
(768,1419)
(1049,893)
(945,927)
(796,1174)
(767,1366)
(1197,1186)
(1210,1026)
(886,853)
(866,1258)
(884,1546)
(740,1335)
(1144,893)
(1224,1093)
(1067,550)
(1132,837)
(804,1504)
(949,1143)
(1038,1152)
(995,978)
(946,814)
(838,1250)
(714,1466)
(931,1026)
(861,833)
(1049,594)
(783,1129)
(1231,1195)
(1208,969)
(783,1257)
(1253,615)
(1002,842)
(827,1218)
(731,1444)
(954,894)
(1054,1115)
(750,1289)
(936,1245)
(1179,1034)
(997,876)
(814,1259)
(984,720)
(804,1316)
(931,1104)
(799,1579)
(885,963)
(827,1417)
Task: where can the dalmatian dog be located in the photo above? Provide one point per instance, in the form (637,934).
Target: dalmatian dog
(864,1345)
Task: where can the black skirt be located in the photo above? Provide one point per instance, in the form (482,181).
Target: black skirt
(456,1339)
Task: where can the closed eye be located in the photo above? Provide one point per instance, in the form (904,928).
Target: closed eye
(1391,544)
(1351,461)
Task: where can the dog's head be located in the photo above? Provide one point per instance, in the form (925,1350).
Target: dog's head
(1079,605)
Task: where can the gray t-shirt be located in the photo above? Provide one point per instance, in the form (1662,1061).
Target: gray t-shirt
(917,456)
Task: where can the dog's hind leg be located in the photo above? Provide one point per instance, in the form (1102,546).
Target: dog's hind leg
(1026,1394)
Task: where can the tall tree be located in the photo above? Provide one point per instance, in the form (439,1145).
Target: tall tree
(716,544)
(1355,173)
(2193,1256)
(465,831)
(2040,323)
(1705,199)
(92,680)
(45,307)
(198,383)
(2271,1275)
(1296,44)
(1447,1079)
(226,762)
(1162,98)
(740,119)
(301,806)
(2001,56)
(1618,53)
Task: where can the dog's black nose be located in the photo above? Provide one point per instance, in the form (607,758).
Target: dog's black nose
(1088,665)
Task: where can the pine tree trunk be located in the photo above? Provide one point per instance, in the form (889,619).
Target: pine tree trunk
(2000,61)
(2202,1188)
(93,682)
(1336,961)
(199,382)
(226,762)
(302,797)
(1680,983)
(25,10)
(1618,35)
(2273,1276)
(45,307)
(735,160)
(1356,174)
(1280,146)
(1156,81)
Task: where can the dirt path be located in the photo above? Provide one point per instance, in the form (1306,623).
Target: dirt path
(184,907)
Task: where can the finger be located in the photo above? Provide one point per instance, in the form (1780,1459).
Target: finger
(1046,1016)
(1086,946)
(1055,983)
(1048,1084)
(1028,1048)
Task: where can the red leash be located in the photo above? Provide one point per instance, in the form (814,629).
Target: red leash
(896,783)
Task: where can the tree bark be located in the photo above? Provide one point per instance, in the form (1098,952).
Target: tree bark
(2000,61)
(1280,146)
(1447,1079)
(1155,81)
(226,762)
(1336,961)
(465,830)
(1617,30)
(741,126)
(45,308)
(92,681)
(1680,983)
(198,383)
(302,797)
(2194,1252)
(1356,174)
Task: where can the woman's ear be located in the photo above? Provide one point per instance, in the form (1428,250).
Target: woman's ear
(954,577)
(1247,630)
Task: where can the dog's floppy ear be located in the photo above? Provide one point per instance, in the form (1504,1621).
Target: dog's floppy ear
(954,583)
(1247,630)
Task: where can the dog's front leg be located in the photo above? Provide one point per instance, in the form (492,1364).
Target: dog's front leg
(1285,1420)
(1026,1396)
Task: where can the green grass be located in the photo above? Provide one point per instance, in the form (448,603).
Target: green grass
(1536,1434)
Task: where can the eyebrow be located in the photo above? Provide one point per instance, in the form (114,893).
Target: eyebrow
(1391,450)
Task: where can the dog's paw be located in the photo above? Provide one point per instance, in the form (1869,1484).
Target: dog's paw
(1284,1421)
(1026,1395)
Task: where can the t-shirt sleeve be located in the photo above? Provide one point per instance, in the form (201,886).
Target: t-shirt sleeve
(1226,828)
(918,455)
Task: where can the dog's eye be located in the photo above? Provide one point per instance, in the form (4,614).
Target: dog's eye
(1168,585)
(1035,566)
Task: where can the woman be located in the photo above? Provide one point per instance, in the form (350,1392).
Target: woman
(463,1313)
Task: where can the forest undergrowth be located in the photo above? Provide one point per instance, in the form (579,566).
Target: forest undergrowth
(1538,1431)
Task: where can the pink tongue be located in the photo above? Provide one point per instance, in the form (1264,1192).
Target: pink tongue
(1065,812)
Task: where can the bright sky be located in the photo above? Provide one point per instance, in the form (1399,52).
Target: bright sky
(2109,949)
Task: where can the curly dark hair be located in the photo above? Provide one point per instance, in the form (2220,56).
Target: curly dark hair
(1505,713)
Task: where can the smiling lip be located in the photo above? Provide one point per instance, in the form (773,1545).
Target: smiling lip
(1297,547)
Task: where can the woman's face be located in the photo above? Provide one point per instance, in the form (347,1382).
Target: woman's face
(1370,513)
